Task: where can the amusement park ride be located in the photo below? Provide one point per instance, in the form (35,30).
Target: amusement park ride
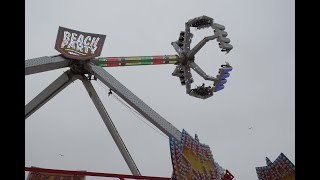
(80,52)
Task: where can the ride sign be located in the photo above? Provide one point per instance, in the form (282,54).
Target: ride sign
(79,45)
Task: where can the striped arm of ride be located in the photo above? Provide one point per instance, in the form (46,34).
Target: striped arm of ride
(135,60)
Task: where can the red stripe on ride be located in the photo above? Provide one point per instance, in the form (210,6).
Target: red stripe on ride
(114,60)
(158,62)
(157,57)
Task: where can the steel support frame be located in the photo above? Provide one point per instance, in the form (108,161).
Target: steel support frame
(152,116)
(45,63)
(112,129)
(62,82)
(48,93)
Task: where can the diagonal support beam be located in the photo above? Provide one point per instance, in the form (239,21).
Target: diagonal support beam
(53,89)
(45,63)
(195,49)
(152,116)
(112,129)
(197,69)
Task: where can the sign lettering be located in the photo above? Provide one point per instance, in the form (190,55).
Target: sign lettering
(79,45)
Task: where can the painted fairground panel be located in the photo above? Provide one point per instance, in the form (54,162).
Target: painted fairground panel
(193,160)
(79,45)
(281,169)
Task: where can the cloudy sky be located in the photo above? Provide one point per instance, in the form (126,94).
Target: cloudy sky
(259,92)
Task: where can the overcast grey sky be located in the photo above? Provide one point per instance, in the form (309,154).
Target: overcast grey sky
(259,92)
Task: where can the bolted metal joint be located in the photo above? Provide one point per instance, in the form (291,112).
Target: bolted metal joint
(184,58)
(77,67)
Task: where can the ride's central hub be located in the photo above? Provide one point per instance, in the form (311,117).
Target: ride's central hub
(77,67)
(183,57)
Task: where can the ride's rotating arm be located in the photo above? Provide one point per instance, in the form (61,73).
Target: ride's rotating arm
(135,60)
